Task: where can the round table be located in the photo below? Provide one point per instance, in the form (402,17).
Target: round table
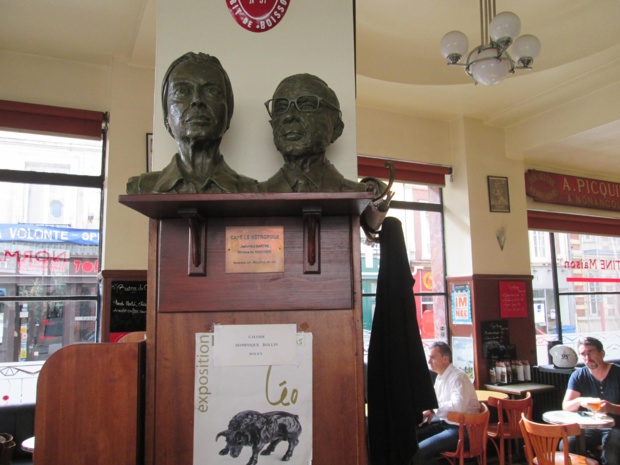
(584,419)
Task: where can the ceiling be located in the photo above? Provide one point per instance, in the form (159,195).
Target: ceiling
(399,67)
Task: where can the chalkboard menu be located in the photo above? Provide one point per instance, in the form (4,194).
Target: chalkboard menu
(495,337)
(124,303)
(127,306)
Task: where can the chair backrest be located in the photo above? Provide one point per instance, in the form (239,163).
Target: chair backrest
(135,336)
(541,440)
(509,412)
(7,447)
(476,425)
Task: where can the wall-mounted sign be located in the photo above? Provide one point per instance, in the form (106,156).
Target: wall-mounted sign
(258,15)
(572,190)
(255,249)
(463,355)
(461,304)
(11,232)
(495,335)
(127,308)
(512,299)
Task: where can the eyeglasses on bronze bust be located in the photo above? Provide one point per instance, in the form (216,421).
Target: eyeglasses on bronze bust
(304,103)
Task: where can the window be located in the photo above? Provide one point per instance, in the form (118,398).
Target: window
(577,291)
(419,208)
(538,246)
(51,167)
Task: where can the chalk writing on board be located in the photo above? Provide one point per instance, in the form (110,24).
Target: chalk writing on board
(127,306)
(495,335)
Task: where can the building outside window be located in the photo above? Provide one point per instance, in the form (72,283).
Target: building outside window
(576,289)
(420,210)
(49,239)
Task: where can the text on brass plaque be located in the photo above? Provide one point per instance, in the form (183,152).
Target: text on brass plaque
(255,249)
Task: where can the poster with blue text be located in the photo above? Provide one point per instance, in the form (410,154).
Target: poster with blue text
(461,304)
(253,396)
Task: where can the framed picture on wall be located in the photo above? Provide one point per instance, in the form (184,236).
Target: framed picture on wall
(149,151)
(499,200)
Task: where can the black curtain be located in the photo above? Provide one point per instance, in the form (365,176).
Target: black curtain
(399,381)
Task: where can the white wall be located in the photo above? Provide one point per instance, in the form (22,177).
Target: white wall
(403,137)
(48,81)
(457,227)
(131,111)
(485,147)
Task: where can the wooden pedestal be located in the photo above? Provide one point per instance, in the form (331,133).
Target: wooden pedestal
(190,291)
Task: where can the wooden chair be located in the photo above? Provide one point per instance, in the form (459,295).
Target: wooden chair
(507,429)
(483,395)
(476,425)
(541,444)
(7,446)
(135,336)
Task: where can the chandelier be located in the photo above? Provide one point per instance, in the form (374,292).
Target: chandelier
(490,63)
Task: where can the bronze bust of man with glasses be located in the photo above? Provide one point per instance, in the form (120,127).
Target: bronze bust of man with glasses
(306,119)
(198,102)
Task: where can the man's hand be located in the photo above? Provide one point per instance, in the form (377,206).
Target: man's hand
(608,407)
(427,417)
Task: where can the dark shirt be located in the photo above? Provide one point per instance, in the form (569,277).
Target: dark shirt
(587,385)
(221,178)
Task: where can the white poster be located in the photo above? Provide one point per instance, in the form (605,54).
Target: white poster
(463,355)
(254,413)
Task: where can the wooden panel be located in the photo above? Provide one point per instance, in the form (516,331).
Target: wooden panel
(290,290)
(160,206)
(180,306)
(89,405)
(485,301)
(337,378)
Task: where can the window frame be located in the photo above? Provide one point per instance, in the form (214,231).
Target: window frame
(67,122)
(412,173)
(550,224)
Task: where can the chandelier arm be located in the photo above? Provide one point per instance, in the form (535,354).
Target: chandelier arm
(482,19)
(496,58)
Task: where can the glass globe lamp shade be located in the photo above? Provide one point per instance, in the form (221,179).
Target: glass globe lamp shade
(505,28)
(487,68)
(525,49)
(453,46)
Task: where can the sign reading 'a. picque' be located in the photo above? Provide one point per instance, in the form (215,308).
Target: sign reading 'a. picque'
(572,190)
(258,15)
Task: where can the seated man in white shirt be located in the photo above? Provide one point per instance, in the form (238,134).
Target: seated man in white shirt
(455,393)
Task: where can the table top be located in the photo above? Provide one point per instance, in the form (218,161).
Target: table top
(519,389)
(483,395)
(28,444)
(585,420)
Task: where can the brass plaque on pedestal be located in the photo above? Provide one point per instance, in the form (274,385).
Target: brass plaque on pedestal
(255,249)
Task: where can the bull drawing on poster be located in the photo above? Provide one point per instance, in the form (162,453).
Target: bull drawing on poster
(256,430)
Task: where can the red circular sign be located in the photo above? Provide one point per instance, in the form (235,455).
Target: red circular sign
(258,15)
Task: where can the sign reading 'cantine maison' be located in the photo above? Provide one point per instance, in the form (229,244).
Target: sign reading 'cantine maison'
(572,190)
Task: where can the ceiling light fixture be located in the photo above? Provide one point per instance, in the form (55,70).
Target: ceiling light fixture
(490,63)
